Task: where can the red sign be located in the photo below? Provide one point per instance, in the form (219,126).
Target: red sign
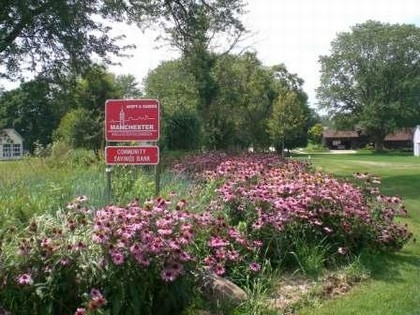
(132,155)
(132,120)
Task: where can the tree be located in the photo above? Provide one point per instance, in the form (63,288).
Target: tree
(287,121)
(174,86)
(244,100)
(372,78)
(55,38)
(194,28)
(79,128)
(128,86)
(315,133)
(88,98)
(31,110)
(291,116)
(94,88)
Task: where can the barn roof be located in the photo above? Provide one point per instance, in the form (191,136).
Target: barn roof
(340,134)
(401,135)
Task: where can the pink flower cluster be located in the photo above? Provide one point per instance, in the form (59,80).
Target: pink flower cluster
(164,237)
(269,192)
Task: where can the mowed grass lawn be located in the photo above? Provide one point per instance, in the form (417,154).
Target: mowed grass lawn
(394,287)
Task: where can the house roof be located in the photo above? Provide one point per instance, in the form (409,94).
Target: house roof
(401,135)
(11,133)
(340,134)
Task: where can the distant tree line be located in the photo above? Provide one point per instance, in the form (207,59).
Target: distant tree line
(252,105)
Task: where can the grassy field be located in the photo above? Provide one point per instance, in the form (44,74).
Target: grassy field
(395,284)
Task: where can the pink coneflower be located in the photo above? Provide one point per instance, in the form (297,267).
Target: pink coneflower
(79,246)
(219,269)
(209,260)
(97,299)
(220,253)
(181,204)
(24,279)
(174,245)
(184,256)
(99,237)
(232,255)
(46,242)
(135,249)
(94,293)
(80,311)
(168,275)
(142,260)
(165,231)
(217,242)
(255,267)
(117,257)
(177,268)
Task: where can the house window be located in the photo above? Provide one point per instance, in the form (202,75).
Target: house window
(336,142)
(7,150)
(16,150)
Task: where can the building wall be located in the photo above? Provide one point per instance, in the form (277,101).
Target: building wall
(11,145)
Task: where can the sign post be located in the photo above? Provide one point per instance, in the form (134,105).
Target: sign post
(132,120)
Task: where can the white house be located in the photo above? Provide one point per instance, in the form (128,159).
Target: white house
(11,144)
(416,141)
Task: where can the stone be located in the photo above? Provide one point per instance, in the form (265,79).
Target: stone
(220,290)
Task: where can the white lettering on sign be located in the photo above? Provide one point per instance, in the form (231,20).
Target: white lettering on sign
(149,106)
(131,151)
(143,158)
(124,158)
(132,127)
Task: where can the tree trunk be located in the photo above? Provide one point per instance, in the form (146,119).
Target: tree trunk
(379,144)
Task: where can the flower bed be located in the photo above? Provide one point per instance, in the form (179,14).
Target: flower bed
(147,255)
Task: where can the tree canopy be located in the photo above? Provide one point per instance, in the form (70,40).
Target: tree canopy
(372,78)
(53,38)
(30,109)
(244,101)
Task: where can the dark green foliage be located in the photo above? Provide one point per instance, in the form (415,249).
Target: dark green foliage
(81,128)
(372,78)
(30,109)
(52,37)
(182,132)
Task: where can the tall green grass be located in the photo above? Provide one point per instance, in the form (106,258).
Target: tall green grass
(395,283)
(35,186)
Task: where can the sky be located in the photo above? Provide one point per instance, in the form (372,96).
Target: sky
(293,32)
